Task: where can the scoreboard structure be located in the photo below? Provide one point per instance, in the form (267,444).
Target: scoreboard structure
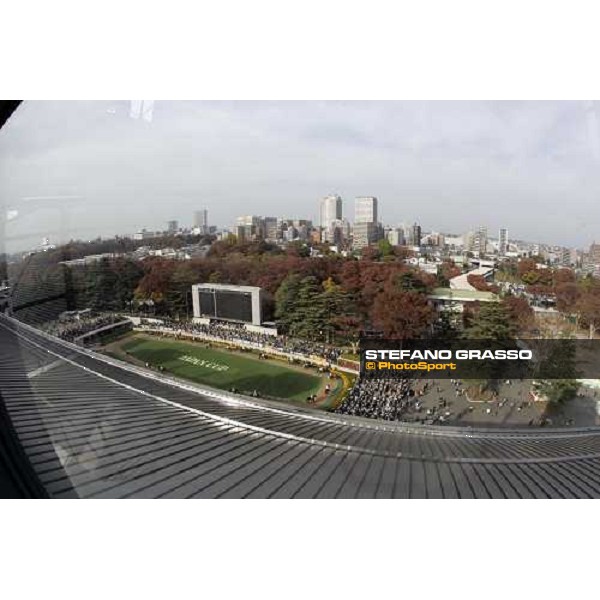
(238,303)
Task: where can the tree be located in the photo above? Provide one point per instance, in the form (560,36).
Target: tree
(340,308)
(567,294)
(155,283)
(410,280)
(446,271)
(519,312)
(309,314)
(370,253)
(558,391)
(557,370)
(478,282)
(100,285)
(588,310)
(385,248)
(177,297)
(285,300)
(402,314)
(491,322)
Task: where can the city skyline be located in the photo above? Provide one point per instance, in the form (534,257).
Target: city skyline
(529,167)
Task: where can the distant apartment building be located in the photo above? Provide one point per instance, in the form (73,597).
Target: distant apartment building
(480,238)
(172,227)
(289,230)
(503,242)
(143,234)
(315,235)
(594,254)
(565,258)
(395,236)
(469,241)
(434,239)
(290,233)
(248,228)
(339,233)
(330,210)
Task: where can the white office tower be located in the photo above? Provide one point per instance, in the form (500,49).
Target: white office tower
(365,210)
(503,241)
(330,210)
(201,221)
(366,229)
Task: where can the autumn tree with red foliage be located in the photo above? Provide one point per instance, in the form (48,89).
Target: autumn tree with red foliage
(587,308)
(401,314)
(519,312)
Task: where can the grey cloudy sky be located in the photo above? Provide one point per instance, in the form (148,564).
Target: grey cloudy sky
(533,167)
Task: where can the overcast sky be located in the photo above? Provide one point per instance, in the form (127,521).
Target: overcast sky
(533,167)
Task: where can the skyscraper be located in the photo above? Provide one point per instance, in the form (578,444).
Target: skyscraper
(250,224)
(272,229)
(172,226)
(503,241)
(365,210)
(330,210)
(366,230)
(201,220)
(416,234)
(480,240)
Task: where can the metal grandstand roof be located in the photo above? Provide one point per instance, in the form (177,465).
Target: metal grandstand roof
(95,428)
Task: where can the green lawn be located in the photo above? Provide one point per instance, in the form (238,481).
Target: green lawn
(224,370)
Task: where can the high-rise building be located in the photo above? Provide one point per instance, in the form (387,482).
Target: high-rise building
(366,228)
(480,240)
(503,241)
(364,234)
(339,232)
(565,258)
(468,240)
(434,239)
(416,235)
(272,229)
(201,221)
(365,210)
(594,254)
(330,210)
(248,228)
(172,226)
(395,236)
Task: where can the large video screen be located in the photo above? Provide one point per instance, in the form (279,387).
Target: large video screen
(222,304)
(207,303)
(234,305)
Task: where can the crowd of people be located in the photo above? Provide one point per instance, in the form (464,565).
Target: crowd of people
(237,333)
(387,399)
(71,327)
